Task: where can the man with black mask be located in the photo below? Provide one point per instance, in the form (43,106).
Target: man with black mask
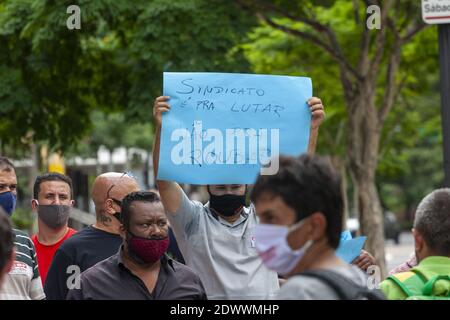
(217,239)
(140,270)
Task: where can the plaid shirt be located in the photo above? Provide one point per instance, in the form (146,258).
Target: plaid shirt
(406,266)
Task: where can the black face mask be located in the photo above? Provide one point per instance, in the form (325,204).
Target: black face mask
(227,204)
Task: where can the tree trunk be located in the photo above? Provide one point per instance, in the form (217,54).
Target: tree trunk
(339,165)
(364,139)
(372,220)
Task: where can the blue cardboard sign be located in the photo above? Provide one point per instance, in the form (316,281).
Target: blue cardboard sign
(349,250)
(227,128)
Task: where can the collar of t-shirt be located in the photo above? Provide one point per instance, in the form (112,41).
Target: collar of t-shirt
(67,235)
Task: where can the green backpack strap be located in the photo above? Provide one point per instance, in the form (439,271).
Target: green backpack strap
(428,288)
(411,283)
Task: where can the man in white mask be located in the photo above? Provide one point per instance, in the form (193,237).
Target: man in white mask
(301,210)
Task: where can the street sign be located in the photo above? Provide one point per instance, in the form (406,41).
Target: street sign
(436,11)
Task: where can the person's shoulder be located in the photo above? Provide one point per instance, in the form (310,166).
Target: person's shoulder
(402,276)
(301,287)
(71,232)
(355,274)
(77,236)
(198,205)
(391,289)
(178,266)
(308,287)
(74,241)
(182,269)
(22,237)
(20,233)
(185,200)
(93,272)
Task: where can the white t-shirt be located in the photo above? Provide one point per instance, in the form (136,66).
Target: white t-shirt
(223,254)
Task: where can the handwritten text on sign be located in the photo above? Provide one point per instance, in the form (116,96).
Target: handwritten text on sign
(228,128)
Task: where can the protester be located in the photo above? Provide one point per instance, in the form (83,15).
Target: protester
(140,270)
(23,281)
(8,186)
(301,210)
(431,277)
(217,239)
(7,253)
(93,243)
(174,251)
(53,201)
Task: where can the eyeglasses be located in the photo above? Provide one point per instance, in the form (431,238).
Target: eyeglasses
(127,173)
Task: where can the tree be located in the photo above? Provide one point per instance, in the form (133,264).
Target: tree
(368,62)
(411,164)
(52,78)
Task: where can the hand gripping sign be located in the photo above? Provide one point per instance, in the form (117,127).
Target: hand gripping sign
(227,128)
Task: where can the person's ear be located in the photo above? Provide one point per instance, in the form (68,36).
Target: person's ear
(419,242)
(72,203)
(319,226)
(419,245)
(34,204)
(109,208)
(296,239)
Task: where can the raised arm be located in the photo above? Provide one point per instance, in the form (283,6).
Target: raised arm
(170,191)
(317,116)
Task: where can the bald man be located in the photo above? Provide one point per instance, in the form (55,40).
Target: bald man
(94,243)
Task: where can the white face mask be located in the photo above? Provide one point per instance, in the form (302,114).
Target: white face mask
(274,250)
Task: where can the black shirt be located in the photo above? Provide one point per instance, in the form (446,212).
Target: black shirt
(85,249)
(112,280)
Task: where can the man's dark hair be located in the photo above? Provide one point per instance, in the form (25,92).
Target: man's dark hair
(307,184)
(6,164)
(432,221)
(51,176)
(6,239)
(142,196)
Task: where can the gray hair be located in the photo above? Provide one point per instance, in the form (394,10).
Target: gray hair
(432,221)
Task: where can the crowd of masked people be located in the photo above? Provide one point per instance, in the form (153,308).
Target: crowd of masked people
(162,245)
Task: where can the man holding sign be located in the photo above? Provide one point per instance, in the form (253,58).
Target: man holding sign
(217,239)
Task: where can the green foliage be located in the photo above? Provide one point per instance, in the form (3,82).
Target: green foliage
(76,90)
(52,78)
(23,219)
(410,160)
(274,52)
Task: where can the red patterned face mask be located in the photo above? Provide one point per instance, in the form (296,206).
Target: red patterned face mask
(148,250)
